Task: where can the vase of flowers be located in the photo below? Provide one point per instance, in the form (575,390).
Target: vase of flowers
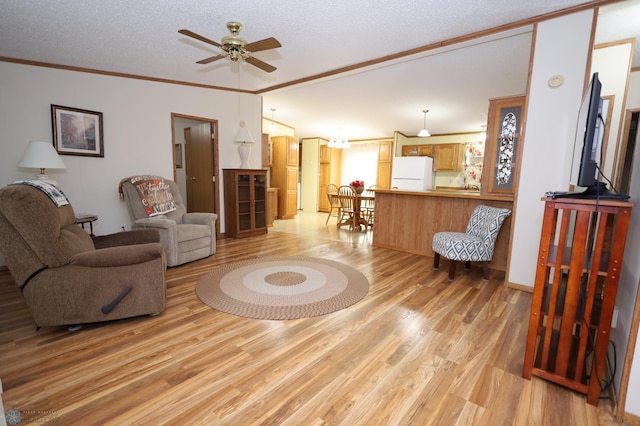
(358,185)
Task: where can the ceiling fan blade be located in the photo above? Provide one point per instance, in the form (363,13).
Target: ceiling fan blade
(211,59)
(199,37)
(260,64)
(267,43)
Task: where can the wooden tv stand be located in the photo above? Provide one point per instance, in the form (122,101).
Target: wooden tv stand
(579,264)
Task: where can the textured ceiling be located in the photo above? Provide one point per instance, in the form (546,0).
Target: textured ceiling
(141,38)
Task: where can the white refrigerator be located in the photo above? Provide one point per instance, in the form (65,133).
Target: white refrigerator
(412,173)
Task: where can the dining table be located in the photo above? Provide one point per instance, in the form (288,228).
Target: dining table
(358,202)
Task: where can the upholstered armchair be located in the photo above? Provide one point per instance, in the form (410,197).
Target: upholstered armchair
(476,244)
(68,278)
(185,236)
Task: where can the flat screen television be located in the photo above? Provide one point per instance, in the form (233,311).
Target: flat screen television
(587,150)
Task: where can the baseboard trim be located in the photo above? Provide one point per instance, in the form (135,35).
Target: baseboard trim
(519,287)
(631,419)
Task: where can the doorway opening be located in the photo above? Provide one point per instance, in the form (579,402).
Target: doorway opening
(195,162)
(629,148)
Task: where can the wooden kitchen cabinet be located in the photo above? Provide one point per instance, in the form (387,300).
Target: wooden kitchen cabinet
(245,202)
(272,205)
(418,150)
(329,169)
(284,174)
(579,264)
(447,157)
(385,159)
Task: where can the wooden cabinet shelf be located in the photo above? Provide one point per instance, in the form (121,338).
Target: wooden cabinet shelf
(579,260)
(245,195)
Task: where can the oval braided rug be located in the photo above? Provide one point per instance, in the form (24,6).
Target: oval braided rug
(278,288)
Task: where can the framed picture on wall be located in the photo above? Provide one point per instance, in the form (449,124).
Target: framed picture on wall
(77,131)
(502,150)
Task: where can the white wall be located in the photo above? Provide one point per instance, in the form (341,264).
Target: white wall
(630,275)
(137,130)
(550,132)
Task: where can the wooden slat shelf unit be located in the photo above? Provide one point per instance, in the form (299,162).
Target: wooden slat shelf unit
(579,261)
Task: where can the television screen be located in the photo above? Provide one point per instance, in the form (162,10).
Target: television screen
(586,151)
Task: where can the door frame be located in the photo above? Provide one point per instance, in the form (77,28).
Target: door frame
(216,169)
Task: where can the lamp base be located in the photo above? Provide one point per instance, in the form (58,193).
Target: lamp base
(45,178)
(244,149)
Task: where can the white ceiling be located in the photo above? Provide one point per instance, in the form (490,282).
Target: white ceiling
(454,84)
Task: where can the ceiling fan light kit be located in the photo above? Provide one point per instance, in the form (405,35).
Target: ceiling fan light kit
(236,47)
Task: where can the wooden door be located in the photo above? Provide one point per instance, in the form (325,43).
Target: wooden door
(200,168)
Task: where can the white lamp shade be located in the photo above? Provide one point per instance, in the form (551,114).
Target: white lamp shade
(424,133)
(41,155)
(243,135)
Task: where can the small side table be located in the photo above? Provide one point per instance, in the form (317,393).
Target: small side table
(89,218)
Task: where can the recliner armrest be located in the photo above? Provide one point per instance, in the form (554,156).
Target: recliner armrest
(159,223)
(118,256)
(136,236)
(200,218)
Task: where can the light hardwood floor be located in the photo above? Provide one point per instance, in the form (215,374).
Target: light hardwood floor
(416,350)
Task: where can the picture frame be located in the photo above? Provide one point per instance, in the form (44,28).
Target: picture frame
(77,131)
(178,155)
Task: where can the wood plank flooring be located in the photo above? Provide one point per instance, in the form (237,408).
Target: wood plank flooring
(417,350)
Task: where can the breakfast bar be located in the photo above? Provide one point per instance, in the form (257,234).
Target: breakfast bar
(407,220)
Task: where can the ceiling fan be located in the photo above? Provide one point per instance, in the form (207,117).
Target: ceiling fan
(235,47)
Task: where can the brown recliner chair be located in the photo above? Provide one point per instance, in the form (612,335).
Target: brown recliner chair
(68,278)
(185,236)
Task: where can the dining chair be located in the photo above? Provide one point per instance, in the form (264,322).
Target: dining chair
(368,205)
(475,244)
(334,201)
(348,212)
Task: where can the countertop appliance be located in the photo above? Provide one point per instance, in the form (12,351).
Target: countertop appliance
(412,173)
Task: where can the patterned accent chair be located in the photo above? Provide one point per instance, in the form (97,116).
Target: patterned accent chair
(185,237)
(476,244)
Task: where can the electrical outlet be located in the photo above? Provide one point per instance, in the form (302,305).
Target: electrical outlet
(614,317)
(123,227)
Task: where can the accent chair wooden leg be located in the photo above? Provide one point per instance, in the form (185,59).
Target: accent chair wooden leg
(436,260)
(452,270)
(467,265)
(485,271)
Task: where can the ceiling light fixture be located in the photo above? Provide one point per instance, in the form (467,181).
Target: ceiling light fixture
(272,126)
(339,142)
(424,133)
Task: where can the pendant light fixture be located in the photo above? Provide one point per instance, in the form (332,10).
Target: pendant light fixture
(272,126)
(424,133)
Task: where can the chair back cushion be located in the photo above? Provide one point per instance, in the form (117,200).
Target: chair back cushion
(35,234)
(137,209)
(485,223)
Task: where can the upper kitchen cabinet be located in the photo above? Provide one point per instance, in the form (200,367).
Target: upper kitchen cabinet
(447,157)
(284,174)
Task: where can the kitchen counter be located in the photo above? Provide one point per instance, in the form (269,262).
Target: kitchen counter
(449,193)
(407,220)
